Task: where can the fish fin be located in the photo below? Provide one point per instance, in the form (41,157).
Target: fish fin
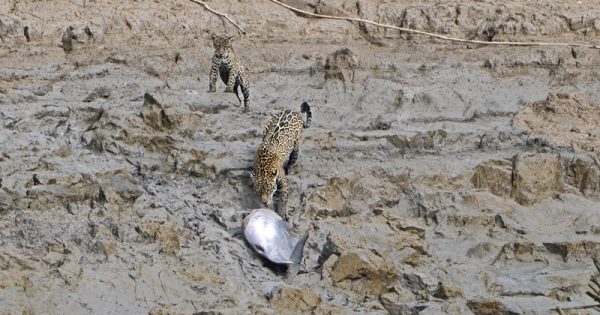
(292,271)
(235,232)
(298,249)
(294,267)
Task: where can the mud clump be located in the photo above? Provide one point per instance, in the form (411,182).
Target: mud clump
(293,300)
(440,177)
(67,40)
(495,176)
(531,178)
(448,291)
(364,271)
(536,178)
(564,119)
(341,65)
(154,114)
(489,307)
(583,173)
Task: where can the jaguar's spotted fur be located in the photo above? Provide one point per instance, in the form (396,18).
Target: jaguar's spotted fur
(228,66)
(277,152)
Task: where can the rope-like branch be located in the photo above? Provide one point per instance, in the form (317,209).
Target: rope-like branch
(583,307)
(453,39)
(220,14)
(595,279)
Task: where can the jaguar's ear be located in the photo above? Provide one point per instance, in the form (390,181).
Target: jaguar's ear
(252,175)
(274,172)
(213,36)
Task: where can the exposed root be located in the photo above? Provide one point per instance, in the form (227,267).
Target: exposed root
(594,293)
(583,307)
(594,286)
(221,15)
(453,39)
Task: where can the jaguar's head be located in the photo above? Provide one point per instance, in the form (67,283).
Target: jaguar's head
(264,180)
(222,44)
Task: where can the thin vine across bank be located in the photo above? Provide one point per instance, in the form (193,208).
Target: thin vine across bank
(438,36)
(220,14)
(402,29)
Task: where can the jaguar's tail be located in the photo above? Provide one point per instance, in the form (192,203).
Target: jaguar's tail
(305,108)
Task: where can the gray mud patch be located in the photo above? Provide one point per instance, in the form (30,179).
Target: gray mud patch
(435,178)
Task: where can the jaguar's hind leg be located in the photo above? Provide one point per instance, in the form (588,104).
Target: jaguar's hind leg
(292,159)
(245,85)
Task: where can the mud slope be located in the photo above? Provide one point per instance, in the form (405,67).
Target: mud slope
(435,178)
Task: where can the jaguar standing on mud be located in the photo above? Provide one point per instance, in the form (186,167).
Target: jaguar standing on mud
(277,152)
(229,67)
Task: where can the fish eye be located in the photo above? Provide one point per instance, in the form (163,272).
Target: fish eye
(259,248)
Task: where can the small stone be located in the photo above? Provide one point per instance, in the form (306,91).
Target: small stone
(482,250)
(70,271)
(341,65)
(418,282)
(67,40)
(105,248)
(169,240)
(102,92)
(155,114)
(119,185)
(328,265)
(488,307)
(376,271)
(448,291)
(295,300)
(333,246)
(398,295)
(596,24)
(536,177)
(495,176)
(401,303)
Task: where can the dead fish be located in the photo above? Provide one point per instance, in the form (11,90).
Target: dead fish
(268,235)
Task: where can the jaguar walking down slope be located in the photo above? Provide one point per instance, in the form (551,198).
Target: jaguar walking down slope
(277,152)
(229,67)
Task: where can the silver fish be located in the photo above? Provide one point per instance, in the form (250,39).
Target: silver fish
(268,235)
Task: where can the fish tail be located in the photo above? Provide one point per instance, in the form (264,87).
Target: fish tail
(295,267)
(292,271)
(298,249)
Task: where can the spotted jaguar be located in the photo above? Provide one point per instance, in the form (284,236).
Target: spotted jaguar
(277,152)
(229,67)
